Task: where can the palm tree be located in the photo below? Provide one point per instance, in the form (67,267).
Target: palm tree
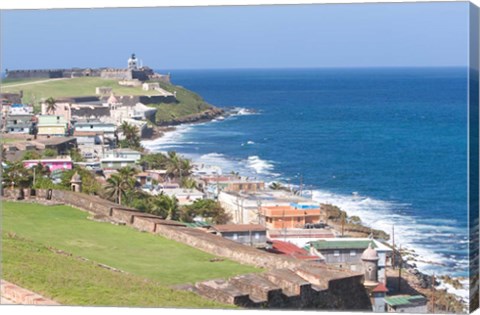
(114,188)
(165,206)
(276,186)
(51,105)
(188,183)
(129,131)
(178,167)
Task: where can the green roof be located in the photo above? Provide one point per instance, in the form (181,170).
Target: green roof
(197,224)
(404,300)
(361,244)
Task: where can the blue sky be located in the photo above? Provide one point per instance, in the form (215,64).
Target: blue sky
(328,35)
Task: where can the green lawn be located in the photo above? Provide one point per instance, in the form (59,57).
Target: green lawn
(72,281)
(69,87)
(188,101)
(122,247)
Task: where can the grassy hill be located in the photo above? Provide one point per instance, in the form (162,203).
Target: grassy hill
(142,255)
(36,90)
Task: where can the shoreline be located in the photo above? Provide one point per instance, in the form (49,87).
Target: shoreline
(412,274)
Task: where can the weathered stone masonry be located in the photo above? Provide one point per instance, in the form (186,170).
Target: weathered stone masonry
(288,283)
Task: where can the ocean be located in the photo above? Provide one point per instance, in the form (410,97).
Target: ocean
(386,144)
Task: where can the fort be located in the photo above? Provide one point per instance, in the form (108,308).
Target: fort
(286,283)
(133,71)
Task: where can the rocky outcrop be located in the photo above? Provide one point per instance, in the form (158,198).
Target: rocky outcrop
(206,115)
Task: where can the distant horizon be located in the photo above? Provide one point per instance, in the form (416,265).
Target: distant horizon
(254,68)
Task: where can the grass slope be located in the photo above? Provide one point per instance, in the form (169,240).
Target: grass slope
(84,86)
(71,281)
(122,247)
(35,90)
(188,103)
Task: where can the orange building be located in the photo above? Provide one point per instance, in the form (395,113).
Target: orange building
(291,216)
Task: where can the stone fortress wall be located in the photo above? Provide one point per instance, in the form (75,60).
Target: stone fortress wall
(287,282)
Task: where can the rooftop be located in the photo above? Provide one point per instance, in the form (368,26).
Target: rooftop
(238,228)
(349,243)
(404,300)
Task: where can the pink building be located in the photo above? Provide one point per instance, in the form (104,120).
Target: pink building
(53,164)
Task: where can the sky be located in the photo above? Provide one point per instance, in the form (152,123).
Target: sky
(283,36)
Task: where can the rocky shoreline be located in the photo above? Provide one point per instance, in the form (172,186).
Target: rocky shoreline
(413,279)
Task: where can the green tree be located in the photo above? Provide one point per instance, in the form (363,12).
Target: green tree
(90,184)
(208,209)
(154,161)
(132,138)
(31,155)
(51,105)
(177,167)
(165,206)
(120,185)
(16,175)
(188,183)
(49,153)
(115,189)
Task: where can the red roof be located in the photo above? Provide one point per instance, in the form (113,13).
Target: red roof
(380,288)
(285,248)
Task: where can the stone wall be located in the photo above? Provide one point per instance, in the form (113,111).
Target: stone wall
(288,283)
(20,295)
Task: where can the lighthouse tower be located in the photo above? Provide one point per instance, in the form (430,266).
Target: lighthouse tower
(133,63)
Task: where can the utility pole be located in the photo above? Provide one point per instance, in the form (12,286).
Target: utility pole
(400,271)
(393,246)
(433,293)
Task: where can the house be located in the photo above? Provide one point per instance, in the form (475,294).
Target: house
(19,123)
(115,163)
(20,109)
(144,179)
(406,304)
(244,206)
(377,298)
(52,164)
(247,234)
(88,138)
(347,252)
(108,129)
(184,196)
(51,125)
(292,216)
(157,175)
(123,153)
(150,86)
(120,112)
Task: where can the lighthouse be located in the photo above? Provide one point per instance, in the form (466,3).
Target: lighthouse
(133,63)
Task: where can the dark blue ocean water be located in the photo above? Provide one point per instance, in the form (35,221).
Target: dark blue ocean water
(395,137)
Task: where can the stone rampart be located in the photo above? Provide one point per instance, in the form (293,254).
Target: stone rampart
(288,283)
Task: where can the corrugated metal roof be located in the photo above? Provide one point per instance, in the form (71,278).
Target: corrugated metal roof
(340,244)
(404,300)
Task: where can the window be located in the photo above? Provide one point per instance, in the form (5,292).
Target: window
(336,253)
(235,236)
(91,126)
(353,253)
(257,235)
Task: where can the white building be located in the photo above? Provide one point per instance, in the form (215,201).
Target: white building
(244,207)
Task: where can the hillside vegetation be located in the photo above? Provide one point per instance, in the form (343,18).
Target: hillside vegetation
(122,247)
(36,90)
